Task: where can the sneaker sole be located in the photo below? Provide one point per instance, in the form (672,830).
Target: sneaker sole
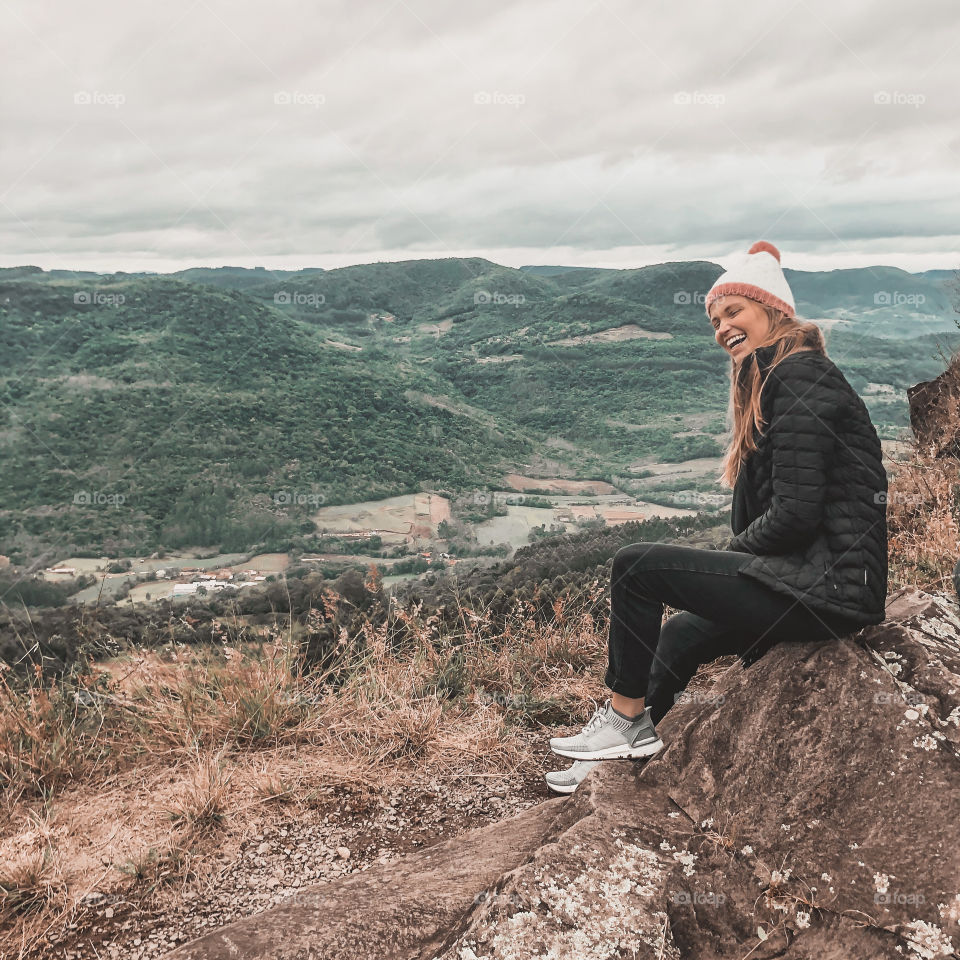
(612,753)
(564,788)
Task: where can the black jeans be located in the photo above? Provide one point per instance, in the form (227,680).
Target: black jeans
(723,613)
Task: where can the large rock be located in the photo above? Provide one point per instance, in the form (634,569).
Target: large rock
(808,806)
(935,412)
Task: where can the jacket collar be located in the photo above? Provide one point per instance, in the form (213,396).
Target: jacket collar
(763,357)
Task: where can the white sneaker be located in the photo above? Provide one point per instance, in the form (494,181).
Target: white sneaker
(566,781)
(608,736)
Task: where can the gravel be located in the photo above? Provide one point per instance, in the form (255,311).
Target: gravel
(293,848)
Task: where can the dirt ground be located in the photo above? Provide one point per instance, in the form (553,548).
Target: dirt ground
(516,481)
(287,825)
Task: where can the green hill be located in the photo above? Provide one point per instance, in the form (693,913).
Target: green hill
(194,407)
(192,400)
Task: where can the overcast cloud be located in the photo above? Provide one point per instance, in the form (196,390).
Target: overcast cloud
(613,133)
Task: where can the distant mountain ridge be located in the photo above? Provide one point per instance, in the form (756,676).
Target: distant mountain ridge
(818,293)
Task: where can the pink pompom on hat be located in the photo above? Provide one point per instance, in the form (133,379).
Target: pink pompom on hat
(757,275)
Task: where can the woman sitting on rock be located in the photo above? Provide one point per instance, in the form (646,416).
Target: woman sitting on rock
(808,559)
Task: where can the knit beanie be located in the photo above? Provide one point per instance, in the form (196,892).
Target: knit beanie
(756,275)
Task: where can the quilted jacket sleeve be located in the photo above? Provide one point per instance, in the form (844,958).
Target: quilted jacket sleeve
(801,429)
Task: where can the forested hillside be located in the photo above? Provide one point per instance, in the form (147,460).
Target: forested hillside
(140,411)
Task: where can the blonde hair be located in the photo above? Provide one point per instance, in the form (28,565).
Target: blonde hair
(743,411)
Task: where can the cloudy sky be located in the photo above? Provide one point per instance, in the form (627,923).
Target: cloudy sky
(610,133)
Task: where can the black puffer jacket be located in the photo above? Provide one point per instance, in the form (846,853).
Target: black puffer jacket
(811,501)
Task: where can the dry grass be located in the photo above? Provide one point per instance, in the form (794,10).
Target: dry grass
(203,803)
(271,786)
(923,506)
(33,884)
(187,740)
(32,881)
(922,522)
(154,866)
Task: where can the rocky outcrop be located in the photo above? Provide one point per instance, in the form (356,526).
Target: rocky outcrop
(808,806)
(935,412)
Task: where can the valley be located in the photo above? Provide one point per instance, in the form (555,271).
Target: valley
(386,413)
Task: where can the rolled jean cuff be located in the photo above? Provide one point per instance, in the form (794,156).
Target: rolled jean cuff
(622,687)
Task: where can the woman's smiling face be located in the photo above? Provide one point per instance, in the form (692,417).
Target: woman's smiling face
(739,324)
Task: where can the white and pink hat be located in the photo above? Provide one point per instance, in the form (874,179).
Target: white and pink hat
(757,275)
